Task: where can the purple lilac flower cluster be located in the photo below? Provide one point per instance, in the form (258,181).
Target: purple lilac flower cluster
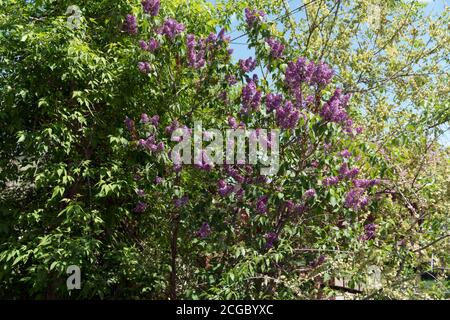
(287,116)
(174,125)
(273,102)
(310,193)
(131,26)
(261,204)
(345,153)
(369,232)
(247,65)
(151,145)
(356,199)
(151,7)
(195,51)
(203,162)
(222,37)
(171,28)
(320,73)
(231,80)
(330,181)
(334,110)
(204,230)
(150,46)
(223,188)
(251,97)
(300,71)
(129,123)
(144,67)
(180,202)
(198,49)
(345,172)
(365,183)
(140,207)
(235,174)
(276,48)
(153,120)
(253,16)
(271,237)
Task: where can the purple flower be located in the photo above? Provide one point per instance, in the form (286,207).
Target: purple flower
(154,120)
(297,73)
(320,74)
(365,183)
(288,207)
(143,45)
(195,52)
(171,28)
(232,123)
(172,127)
(273,102)
(261,204)
(177,168)
(140,207)
(247,65)
(276,48)
(345,153)
(310,193)
(221,35)
(158,180)
(355,199)
(212,38)
(309,100)
(203,161)
(287,116)
(151,7)
(140,192)
(369,231)
(131,24)
(253,16)
(334,110)
(160,147)
(300,209)
(271,237)
(180,202)
(151,45)
(251,98)
(144,118)
(204,230)
(223,188)
(330,181)
(231,79)
(345,172)
(129,124)
(144,67)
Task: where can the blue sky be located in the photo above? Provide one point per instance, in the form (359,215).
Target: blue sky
(241,51)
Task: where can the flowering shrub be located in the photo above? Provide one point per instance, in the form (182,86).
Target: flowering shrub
(102,187)
(313,187)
